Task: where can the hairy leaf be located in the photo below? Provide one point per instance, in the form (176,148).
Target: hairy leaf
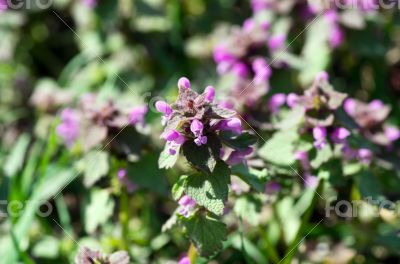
(210,191)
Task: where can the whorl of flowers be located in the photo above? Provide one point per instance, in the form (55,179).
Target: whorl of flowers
(88,256)
(371,120)
(93,120)
(206,133)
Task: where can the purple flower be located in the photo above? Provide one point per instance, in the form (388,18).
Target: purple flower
(336,37)
(322,76)
(130,186)
(292,100)
(392,133)
(196,127)
(200,140)
(209,93)
(174,136)
(350,106)
(3,5)
(365,155)
(319,134)
(136,116)
(187,205)
(184,83)
(259,5)
(262,71)
(233,124)
(276,101)
(237,156)
(272,187)
(302,157)
(248,24)
(90,3)
(310,181)
(375,105)
(184,260)
(164,108)
(69,127)
(276,42)
(240,70)
(340,134)
(220,54)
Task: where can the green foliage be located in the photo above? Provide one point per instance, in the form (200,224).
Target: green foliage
(206,232)
(248,208)
(95,166)
(239,142)
(210,191)
(98,210)
(280,148)
(204,157)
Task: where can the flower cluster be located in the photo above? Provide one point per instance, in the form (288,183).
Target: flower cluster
(96,119)
(370,118)
(195,118)
(88,256)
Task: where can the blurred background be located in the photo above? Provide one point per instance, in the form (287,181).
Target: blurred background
(132,52)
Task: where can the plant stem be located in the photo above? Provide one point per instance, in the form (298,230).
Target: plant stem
(192,254)
(292,249)
(124,218)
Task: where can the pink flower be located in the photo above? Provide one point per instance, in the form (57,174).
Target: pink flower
(392,133)
(302,157)
(200,140)
(322,76)
(238,156)
(276,42)
(248,24)
(69,127)
(184,83)
(310,181)
(3,5)
(365,155)
(292,100)
(136,116)
(340,134)
(209,93)
(164,108)
(130,186)
(184,260)
(187,205)
(240,70)
(220,54)
(272,187)
(196,127)
(276,101)
(319,134)
(350,106)
(90,3)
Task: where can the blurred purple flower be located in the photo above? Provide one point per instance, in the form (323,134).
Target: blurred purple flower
(137,114)
(90,3)
(184,83)
(339,135)
(276,101)
(68,129)
(319,134)
(276,42)
(184,260)
(365,155)
(122,177)
(187,205)
(238,156)
(272,187)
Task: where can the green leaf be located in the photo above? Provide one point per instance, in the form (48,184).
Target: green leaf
(253,177)
(95,166)
(238,142)
(203,157)
(369,186)
(206,232)
(210,191)
(248,207)
(48,247)
(99,209)
(15,160)
(179,187)
(146,174)
(323,155)
(280,148)
(292,118)
(166,160)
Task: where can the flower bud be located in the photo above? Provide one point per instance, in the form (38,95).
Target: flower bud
(209,93)
(196,127)
(164,108)
(184,83)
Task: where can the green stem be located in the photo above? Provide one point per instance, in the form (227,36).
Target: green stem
(192,254)
(293,248)
(124,218)
(271,251)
